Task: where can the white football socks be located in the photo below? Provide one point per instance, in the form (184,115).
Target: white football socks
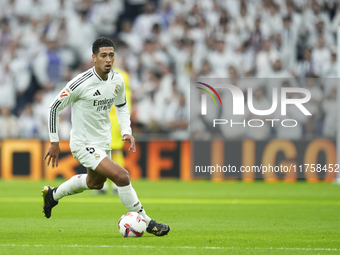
(129,198)
(127,194)
(76,184)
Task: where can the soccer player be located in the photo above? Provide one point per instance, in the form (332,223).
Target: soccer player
(92,94)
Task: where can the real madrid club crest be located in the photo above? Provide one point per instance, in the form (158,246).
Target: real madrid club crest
(96,156)
(116,89)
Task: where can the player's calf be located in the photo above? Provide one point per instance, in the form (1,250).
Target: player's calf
(93,185)
(122,178)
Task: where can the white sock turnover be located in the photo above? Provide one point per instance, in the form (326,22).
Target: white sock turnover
(76,184)
(129,198)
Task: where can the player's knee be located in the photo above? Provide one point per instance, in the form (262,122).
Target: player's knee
(92,185)
(123,178)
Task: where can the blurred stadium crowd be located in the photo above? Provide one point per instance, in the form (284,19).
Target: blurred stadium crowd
(161,44)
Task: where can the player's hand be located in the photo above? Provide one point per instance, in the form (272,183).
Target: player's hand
(130,139)
(53,153)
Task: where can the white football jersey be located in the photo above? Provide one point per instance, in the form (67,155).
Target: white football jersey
(91,99)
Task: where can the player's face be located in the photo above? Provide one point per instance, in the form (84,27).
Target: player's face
(104,60)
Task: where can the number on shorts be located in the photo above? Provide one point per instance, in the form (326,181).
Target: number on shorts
(90,149)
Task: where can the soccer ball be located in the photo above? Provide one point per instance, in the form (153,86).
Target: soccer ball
(132,224)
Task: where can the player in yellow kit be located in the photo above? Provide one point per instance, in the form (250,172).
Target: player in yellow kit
(117,143)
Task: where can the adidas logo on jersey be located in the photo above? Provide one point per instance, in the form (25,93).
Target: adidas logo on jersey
(97,93)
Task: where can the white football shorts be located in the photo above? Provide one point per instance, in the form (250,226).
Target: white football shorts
(90,156)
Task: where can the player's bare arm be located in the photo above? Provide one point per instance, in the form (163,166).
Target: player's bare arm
(130,139)
(53,153)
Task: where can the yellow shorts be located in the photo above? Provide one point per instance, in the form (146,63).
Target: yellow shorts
(116,143)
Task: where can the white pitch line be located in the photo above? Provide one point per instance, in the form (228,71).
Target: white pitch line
(173,247)
(193,201)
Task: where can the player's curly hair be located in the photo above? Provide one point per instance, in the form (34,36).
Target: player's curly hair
(101,42)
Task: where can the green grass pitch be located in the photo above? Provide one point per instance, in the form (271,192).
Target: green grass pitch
(205,218)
